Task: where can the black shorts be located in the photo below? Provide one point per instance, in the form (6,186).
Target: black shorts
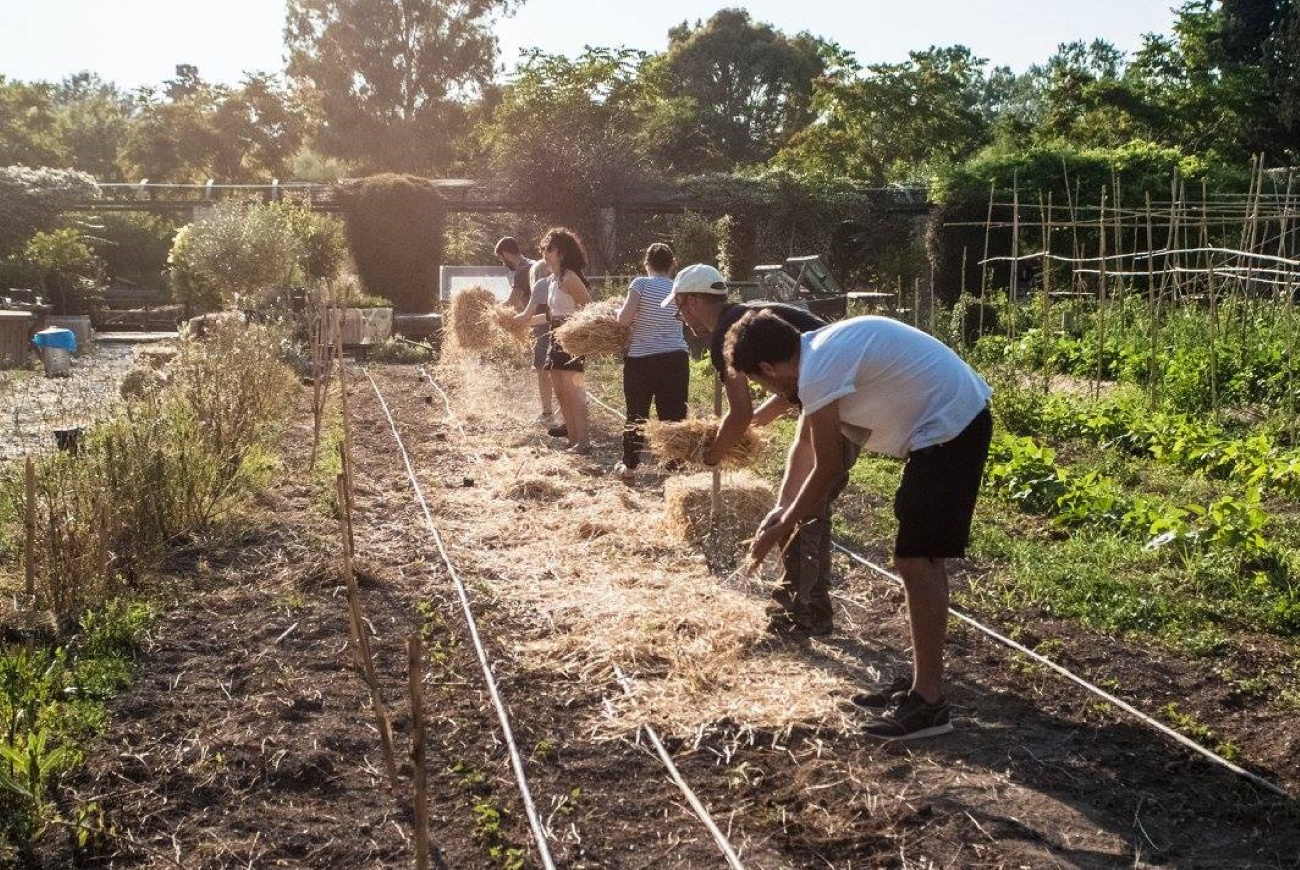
(557,358)
(936,498)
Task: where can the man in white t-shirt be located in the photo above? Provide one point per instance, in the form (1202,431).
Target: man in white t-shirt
(895,390)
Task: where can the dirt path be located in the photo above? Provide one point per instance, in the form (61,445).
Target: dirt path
(248,740)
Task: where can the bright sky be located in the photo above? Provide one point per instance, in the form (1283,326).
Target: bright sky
(139,42)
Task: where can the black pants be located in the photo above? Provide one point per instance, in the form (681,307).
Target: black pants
(662,378)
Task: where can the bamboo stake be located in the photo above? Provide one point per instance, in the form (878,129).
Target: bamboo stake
(1047,294)
(1015,254)
(1153,325)
(1101,298)
(916,302)
(29,531)
(984,274)
(362,638)
(415,656)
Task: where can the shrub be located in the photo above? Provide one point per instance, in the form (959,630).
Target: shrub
(395,229)
(34,199)
(235,256)
(68,268)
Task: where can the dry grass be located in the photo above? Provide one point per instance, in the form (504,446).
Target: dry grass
(601,583)
(471,308)
(594,330)
(533,488)
(687,441)
(502,317)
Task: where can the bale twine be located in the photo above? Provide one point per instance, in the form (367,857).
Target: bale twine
(688,501)
(594,330)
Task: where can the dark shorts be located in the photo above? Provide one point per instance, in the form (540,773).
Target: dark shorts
(541,346)
(557,359)
(936,498)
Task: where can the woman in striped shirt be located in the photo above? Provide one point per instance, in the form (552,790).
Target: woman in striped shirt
(657,365)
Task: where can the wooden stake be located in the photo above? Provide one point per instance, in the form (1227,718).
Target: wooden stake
(715,499)
(415,655)
(29,531)
(362,639)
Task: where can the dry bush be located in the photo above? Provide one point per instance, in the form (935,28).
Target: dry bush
(688,440)
(166,466)
(594,330)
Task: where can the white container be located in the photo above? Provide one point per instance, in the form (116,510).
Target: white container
(58,362)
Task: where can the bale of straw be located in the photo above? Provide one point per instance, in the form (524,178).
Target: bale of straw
(470,309)
(142,380)
(687,441)
(503,317)
(688,503)
(595,330)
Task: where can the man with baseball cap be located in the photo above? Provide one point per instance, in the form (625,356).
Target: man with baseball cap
(801,604)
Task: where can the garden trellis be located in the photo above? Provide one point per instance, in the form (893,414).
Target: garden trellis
(1230,260)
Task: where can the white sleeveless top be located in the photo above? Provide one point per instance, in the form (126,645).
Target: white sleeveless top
(559,300)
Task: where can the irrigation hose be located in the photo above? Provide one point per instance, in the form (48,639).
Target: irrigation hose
(516,760)
(701,811)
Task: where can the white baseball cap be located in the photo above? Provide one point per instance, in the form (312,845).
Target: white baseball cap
(699,278)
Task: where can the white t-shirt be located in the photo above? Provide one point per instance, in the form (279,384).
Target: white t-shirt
(899,389)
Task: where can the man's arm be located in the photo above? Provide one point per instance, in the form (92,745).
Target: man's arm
(774,407)
(739,414)
(822,431)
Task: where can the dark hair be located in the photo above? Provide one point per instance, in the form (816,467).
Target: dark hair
(759,337)
(572,257)
(507,245)
(659,257)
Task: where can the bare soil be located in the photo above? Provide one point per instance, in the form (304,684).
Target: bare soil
(248,740)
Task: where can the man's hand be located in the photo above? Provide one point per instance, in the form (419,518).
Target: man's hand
(770,533)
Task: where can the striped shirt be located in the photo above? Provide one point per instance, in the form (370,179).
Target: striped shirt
(654,329)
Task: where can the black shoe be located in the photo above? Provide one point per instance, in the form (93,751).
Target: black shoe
(884,694)
(560,431)
(910,719)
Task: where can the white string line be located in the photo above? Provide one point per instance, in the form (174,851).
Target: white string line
(700,810)
(516,760)
(1069,675)
(451,415)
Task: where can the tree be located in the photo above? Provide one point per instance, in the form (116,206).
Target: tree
(194,130)
(29,125)
(744,88)
(389,78)
(93,118)
(595,148)
(896,122)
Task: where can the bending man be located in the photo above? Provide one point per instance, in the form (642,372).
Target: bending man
(894,390)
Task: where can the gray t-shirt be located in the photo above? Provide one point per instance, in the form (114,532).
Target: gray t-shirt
(538,298)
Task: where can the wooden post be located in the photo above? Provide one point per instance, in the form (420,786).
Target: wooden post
(29,531)
(361,639)
(715,500)
(415,655)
